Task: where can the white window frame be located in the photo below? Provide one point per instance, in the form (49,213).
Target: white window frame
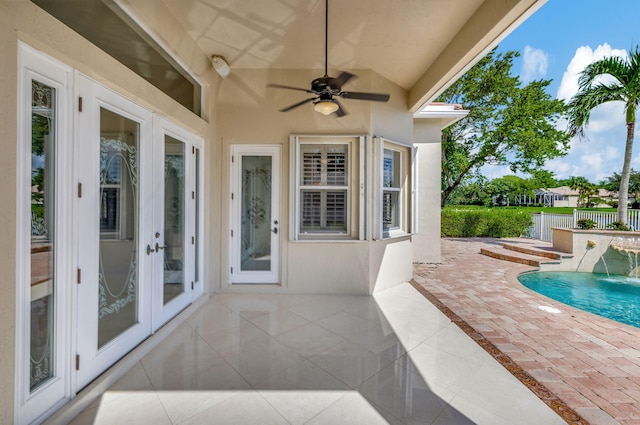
(30,406)
(405,189)
(356,148)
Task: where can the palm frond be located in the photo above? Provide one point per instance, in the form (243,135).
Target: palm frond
(585,100)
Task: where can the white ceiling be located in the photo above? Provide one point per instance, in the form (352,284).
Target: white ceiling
(415,43)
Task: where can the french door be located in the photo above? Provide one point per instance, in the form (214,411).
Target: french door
(255,215)
(136,226)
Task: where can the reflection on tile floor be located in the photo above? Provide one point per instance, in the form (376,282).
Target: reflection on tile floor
(286,359)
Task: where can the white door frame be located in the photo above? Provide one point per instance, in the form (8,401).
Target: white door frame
(236,275)
(162,313)
(92,360)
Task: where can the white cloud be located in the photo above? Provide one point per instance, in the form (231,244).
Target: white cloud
(600,153)
(584,56)
(534,64)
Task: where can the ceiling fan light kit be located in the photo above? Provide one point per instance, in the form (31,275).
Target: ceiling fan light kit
(326,107)
(326,88)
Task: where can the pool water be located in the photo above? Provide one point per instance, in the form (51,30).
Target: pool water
(613,297)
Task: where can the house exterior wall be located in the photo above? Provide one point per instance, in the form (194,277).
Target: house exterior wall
(427,138)
(22,21)
(8,135)
(238,110)
(248,112)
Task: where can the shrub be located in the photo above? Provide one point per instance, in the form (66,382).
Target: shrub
(618,225)
(586,224)
(499,223)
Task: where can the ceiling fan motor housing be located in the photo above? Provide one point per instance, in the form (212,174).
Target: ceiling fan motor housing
(327,85)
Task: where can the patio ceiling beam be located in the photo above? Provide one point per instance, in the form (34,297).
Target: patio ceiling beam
(493,21)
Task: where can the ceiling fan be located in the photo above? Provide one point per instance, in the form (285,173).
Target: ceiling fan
(326,88)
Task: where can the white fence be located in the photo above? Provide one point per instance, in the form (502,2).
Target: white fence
(543,222)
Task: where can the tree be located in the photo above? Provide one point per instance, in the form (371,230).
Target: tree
(543,179)
(504,190)
(584,187)
(612,79)
(612,183)
(473,191)
(507,124)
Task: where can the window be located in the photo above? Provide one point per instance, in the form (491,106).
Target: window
(326,177)
(393,214)
(109,27)
(390,190)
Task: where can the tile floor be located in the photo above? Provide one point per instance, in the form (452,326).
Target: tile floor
(249,359)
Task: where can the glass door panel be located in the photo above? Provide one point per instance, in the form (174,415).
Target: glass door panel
(118,207)
(174,218)
(114,173)
(42,234)
(255,232)
(255,251)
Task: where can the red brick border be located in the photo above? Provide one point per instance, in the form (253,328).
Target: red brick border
(569,415)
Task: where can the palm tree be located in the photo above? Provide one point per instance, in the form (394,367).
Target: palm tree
(609,80)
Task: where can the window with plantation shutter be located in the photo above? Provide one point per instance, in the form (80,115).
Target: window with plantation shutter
(323,188)
(328,187)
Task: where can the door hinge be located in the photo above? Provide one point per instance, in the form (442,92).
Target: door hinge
(233,158)
(193,240)
(77,361)
(79,278)
(231,270)
(80,104)
(231,232)
(192,285)
(193,194)
(79,190)
(193,149)
(232,196)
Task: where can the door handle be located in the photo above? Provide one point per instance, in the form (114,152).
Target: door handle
(150,250)
(158,247)
(275,230)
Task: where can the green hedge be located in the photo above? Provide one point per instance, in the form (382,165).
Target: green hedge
(493,222)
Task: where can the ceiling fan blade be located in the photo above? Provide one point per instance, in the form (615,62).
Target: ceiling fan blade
(342,79)
(295,105)
(377,97)
(340,112)
(280,86)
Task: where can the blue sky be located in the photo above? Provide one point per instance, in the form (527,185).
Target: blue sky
(556,43)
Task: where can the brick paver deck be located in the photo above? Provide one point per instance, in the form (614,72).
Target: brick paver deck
(589,362)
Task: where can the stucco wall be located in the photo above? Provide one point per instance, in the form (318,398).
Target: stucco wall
(8,135)
(248,112)
(426,243)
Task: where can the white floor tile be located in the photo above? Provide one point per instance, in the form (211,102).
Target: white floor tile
(310,339)
(182,405)
(246,408)
(275,322)
(352,409)
(135,407)
(403,394)
(351,363)
(270,359)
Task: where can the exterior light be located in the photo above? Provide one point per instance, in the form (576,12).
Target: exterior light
(221,66)
(326,107)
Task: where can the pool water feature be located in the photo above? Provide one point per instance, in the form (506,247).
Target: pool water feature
(614,297)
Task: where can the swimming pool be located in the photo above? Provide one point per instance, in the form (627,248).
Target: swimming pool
(614,297)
